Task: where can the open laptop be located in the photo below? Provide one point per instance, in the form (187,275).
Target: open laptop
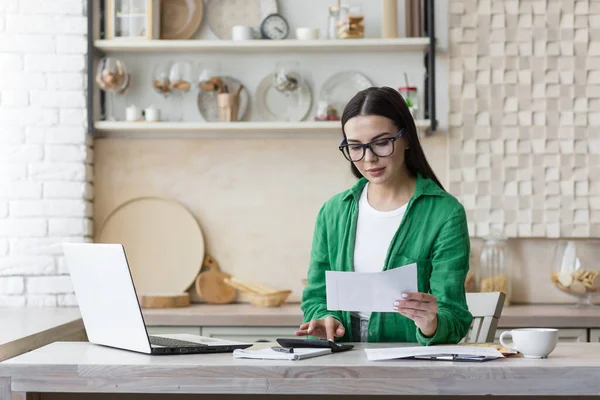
(110,309)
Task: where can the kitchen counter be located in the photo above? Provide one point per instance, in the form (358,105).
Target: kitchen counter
(25,329)
(289,314)
(571,370)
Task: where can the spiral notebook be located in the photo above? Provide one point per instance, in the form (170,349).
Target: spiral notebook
(270,354)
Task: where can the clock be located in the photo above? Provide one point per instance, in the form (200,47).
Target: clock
(274,27)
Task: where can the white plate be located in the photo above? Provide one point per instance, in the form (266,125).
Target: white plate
(340,88)
(207,101)
(273,105)
(222,15)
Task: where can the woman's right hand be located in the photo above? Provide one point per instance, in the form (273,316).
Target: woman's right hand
(324,328)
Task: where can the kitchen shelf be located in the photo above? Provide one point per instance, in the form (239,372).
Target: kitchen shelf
(221,129)
(96,100)
(349,45)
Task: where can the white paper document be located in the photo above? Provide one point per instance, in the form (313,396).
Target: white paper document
(270,354)
(440,352)
(369,291)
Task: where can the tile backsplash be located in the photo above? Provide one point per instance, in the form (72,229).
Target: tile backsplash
(524,86)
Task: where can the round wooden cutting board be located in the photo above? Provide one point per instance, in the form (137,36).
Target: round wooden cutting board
(163,243)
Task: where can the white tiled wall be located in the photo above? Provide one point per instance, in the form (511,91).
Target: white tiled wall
(525,116)
(45,154)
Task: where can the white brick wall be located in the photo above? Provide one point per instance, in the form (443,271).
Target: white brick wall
(46,156)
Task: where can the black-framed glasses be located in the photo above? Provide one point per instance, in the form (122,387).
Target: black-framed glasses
(383,147)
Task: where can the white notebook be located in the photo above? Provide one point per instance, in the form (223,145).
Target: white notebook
(270,354)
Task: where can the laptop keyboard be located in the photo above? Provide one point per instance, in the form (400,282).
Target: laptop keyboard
(167,342)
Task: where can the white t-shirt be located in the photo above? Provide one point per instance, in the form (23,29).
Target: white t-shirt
(374,232)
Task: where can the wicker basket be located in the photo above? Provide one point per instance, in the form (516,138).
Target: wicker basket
(260,295)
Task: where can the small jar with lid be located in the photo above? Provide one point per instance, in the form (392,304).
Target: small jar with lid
(352,23)
(410,97)
(332,22)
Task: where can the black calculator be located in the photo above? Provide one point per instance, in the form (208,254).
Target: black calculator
(314,344)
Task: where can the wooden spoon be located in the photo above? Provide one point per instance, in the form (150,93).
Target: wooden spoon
(239,90)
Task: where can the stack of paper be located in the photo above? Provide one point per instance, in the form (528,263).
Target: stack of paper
(462,353)
(270,354)
(369,291)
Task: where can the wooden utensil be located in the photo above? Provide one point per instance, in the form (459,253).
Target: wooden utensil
(164,300)
(229,104)
(260,295)
(211,286)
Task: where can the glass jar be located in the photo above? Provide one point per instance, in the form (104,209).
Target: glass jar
(112,77)
(287,78)
(352,23)
(471,278)
(410,97)
(494,274)
(180,76)
(208,75)
(332,22)
(577,269)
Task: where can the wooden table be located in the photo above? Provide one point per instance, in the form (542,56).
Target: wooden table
(571,370)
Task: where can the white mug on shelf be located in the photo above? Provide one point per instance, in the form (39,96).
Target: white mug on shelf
(531,342)
(242,32)
(307,33)
(131,113)
(152,114)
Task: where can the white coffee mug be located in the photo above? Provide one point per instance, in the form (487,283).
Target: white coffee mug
(531,342)
(307,33)
(152,114)
(242,32)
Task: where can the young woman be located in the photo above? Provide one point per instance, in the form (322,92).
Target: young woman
(396,214)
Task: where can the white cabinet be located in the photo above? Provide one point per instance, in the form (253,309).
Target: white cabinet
(248,334)
(255,334)
(163,330)
(236,333)
(572,335)
(564,335)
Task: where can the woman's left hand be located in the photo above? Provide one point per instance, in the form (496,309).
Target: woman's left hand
(421,308)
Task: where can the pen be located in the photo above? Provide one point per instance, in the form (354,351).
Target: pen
(283,349)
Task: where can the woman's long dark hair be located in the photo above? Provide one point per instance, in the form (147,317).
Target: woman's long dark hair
(388,103)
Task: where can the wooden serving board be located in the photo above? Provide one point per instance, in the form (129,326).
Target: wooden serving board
(164,300)
(211,286)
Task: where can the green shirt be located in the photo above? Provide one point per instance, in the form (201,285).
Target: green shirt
(433,234)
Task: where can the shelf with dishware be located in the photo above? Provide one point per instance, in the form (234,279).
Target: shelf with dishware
(241,46)
(222,129)
(283,102)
